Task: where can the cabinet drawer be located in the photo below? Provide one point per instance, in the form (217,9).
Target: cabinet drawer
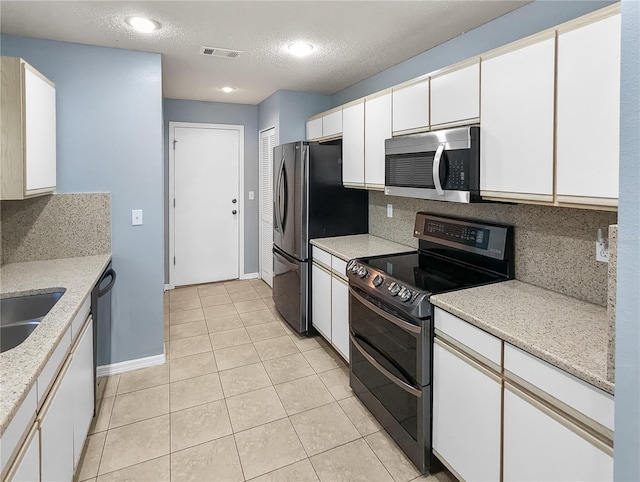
(81,317)
(321,256)
(339,267)
(579,395)
(17,427)
(479,341)
(50,370)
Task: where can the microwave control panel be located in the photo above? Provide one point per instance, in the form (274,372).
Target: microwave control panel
(458,170)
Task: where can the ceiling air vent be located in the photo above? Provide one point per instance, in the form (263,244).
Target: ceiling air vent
(218,52)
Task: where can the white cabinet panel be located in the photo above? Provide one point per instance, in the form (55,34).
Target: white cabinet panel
(332,124)
(81,372)
(314,129)
(589,100)
(411,106)
(377,129)
(517,99)
(353,144)
(455,96)
(340,316)
(56,430)
(27,465)
(466,416)
(321,301)
(537,447)
(40,128)
(17,427)
(321,256)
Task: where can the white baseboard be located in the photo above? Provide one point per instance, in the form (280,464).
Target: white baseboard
(129,365)
(250,276)
(168,287)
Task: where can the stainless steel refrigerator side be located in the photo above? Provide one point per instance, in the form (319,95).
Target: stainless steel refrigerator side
(303,155)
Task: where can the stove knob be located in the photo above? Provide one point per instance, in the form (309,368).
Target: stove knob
(362,272)
(354,267)
(394,288)
(351,264)
(377,280)
(405,294)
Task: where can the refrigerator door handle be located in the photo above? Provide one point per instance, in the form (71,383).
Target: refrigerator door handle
(285,196)
(277,198)
(284,259)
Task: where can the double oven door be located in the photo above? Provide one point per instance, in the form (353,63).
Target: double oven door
(390,372)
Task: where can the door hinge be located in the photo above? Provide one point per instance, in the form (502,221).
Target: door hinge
(174,202)
(174,260)
(174,144)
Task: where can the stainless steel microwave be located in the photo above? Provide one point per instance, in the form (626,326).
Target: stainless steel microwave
(439,165)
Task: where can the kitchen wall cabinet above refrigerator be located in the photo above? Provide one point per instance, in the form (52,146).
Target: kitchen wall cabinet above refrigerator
(28,120)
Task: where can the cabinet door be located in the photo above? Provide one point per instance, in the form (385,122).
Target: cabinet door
(81,372)
(40,130)
(466,415)
(353,145)
(517,99)
(411,107)
(538,446)
(377,128)
(340,316)
(321,300)
(455,96)
(314,129)
(26,468)
(332,124)
(589,96)
(56,430)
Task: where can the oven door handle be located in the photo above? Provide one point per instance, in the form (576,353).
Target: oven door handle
(405,386)
(436,169)
(396,321)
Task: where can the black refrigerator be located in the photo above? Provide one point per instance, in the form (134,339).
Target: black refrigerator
(309,201)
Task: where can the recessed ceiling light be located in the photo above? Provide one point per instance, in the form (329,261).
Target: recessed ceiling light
(227,89)
(142,24)
(300,49)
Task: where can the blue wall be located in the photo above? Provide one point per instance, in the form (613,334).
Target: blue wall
(530,19)
(222,113)
(627,422)
(109,138)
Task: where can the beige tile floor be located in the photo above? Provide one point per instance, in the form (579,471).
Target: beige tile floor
(241,397)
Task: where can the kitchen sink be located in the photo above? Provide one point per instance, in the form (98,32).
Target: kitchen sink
(20,315)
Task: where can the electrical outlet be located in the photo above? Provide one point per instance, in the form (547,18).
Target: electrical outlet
(389,210)
(602,251)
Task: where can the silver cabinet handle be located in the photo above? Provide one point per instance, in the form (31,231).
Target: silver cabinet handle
(405,386)
(396,321)
(436,169)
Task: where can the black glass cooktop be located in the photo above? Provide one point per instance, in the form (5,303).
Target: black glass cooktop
(430,273)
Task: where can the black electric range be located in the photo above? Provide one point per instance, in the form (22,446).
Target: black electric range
(391,323)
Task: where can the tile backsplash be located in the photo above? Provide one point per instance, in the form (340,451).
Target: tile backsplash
(56,226)
(554,247)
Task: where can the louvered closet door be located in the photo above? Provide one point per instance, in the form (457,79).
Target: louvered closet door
(267,143)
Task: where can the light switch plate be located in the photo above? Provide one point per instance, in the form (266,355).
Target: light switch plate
(136,217)
(251,196)
(389,210)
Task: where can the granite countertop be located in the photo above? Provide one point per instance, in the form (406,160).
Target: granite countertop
(21,365)
(359,246)
(568,333)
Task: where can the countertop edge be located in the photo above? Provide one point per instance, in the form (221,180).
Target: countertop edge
(7,418)
(538,352)
(394,247)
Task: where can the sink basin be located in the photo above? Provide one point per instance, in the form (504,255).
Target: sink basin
(20,315)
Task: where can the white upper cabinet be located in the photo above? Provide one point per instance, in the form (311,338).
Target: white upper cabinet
(377,124)
(588,117)
(411,107)
(455,96)
(314,129)
(353,145)
(517,126)
(28,120)
(332,124)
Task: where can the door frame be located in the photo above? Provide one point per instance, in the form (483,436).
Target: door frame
(261,195)
(172,192)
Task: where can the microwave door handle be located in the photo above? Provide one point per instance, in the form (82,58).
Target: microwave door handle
(436,169)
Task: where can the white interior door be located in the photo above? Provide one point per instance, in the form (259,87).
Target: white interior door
(206,218)
(267,143)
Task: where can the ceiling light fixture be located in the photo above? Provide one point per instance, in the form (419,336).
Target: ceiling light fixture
(300,49)
(227,89)
(142,24)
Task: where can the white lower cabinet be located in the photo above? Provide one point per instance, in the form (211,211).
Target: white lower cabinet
(540,445)
(321,300)
(340,316)
(82,378)
(466,415)
(56,429)
(26,467)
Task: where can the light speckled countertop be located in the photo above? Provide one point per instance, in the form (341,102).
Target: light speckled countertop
(568,333)
(20,366)
(359,246)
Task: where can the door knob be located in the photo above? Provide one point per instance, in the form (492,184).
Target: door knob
(234,212)
(234,201)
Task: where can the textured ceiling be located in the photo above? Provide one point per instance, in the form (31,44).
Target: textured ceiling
(354,39)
